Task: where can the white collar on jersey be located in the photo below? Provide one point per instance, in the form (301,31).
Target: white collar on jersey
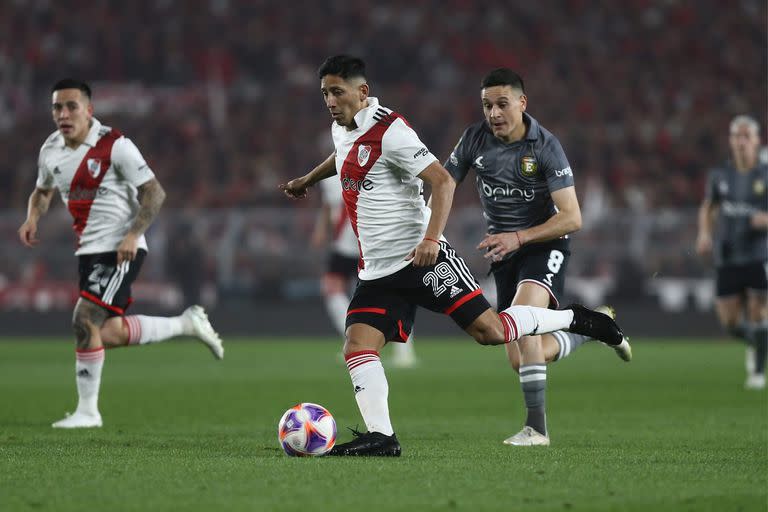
(93,134)
(363,115)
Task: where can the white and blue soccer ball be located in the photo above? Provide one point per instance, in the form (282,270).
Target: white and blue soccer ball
(307,430)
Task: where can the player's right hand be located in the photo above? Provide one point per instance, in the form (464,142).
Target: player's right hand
(424,254)
(28,234)
(295,189)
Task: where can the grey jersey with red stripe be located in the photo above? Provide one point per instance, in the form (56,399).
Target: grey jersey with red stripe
(378,163)
(738,196)
(515,181)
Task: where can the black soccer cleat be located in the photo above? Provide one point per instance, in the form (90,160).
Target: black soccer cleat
(368,444)
(596,325)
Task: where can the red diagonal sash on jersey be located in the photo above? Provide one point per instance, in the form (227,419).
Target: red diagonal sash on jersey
(353,174)
(87,178)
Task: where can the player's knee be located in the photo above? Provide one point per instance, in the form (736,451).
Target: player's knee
(113,332)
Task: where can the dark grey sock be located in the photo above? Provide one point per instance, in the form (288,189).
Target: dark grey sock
(533,380)
(568,342)
(760,342)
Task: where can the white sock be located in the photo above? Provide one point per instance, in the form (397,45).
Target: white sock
(371,390)
(521,321)
(88,365)
(404,350)
(153,329)
(337,305)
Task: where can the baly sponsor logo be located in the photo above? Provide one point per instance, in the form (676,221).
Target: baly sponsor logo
(499,191)
(348,183)
(564,172)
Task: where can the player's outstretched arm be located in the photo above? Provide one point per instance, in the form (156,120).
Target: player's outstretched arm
(151,198)
(297,188)
(37,206)
(443,186)
(566,220)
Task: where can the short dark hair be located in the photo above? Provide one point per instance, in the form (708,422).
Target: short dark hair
(503,76)
(344,66)
(71,83)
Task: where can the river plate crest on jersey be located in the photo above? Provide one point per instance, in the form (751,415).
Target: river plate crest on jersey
(363,152)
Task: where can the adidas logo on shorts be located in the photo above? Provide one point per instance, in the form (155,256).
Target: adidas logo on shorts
(455,290)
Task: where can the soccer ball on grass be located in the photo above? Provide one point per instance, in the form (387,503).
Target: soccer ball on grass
(307,430)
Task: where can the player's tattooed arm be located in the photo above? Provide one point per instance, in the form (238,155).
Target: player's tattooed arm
(39,202)
(87,319)
(151,197)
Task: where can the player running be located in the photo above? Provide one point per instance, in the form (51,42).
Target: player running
(529,202)
(733,220)
(404,260)
(113,197)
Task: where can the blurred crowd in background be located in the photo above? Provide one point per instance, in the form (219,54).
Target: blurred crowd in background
(222,98)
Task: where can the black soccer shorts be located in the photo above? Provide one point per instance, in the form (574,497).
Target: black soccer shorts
(105,283)
(542,263)
(344,266)
(736,279)
(389,303)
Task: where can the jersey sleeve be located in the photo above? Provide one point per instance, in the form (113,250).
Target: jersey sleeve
(402,147)
(460,159)
(129,162)
(44,176)
(555,165)
(712,192)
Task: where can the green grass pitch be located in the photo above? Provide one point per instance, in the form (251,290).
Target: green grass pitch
(674,430)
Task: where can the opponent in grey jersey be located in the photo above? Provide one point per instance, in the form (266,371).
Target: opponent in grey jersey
(733,225)
(527,192)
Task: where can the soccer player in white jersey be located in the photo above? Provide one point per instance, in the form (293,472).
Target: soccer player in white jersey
(113,197)
(333,224)
(404,260)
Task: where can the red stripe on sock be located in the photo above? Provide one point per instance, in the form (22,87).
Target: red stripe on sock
(510,326)
(349,356)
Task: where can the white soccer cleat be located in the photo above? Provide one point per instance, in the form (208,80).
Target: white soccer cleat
(203,330)
(79,420)
(755,381)
(527,437)
(623,349)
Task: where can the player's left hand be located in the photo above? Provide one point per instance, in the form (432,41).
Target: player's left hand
(126,251)
(499,245)
(425,254)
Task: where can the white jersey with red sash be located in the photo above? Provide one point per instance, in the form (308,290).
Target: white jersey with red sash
(344,238)
(378,164)
(98,182)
